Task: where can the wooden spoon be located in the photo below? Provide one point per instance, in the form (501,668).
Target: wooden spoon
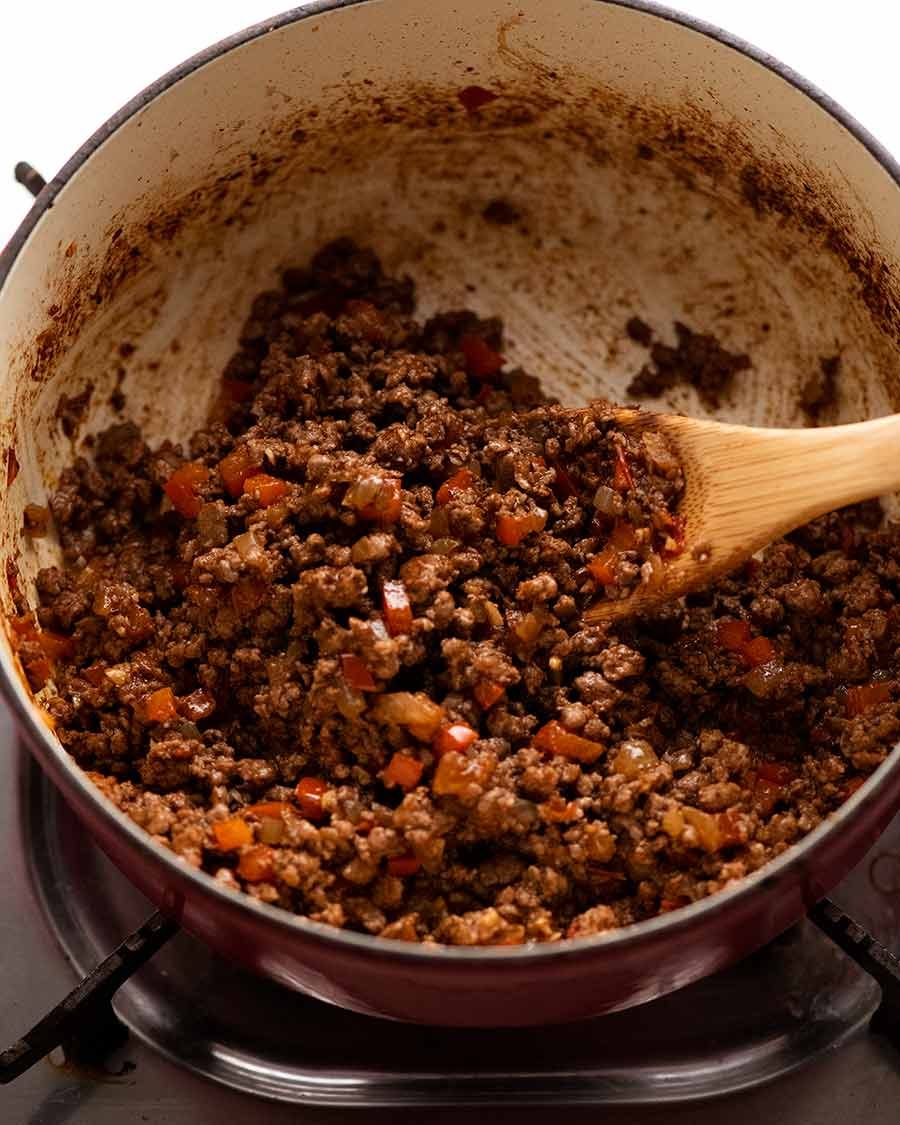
(745,487)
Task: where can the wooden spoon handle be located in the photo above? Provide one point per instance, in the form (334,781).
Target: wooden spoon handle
(758,484)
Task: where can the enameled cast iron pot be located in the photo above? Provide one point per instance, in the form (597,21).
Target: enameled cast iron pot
(658,167)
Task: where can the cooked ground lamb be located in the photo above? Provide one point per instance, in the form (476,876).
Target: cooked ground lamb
(333,652)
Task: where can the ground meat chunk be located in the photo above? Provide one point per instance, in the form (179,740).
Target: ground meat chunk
(331,651)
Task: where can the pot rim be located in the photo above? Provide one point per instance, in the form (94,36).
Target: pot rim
(669,924)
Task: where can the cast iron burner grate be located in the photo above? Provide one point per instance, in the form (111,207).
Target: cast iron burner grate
(745,1026)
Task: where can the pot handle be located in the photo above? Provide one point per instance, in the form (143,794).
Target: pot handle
(88,1002)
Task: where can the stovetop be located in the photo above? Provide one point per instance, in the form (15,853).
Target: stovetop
(801,997)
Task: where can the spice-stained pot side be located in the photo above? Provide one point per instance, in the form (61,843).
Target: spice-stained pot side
(332,652)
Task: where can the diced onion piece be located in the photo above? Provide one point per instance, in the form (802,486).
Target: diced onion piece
(257,865)
(705,825)
(633,757)
(396,608)
(733,635)
(235,468)
(603,568)
(864,696)
(553,738)
(265,489)
(487,693)
(758,651)
(403,865)
(159,706)
(457,737)
(529,628)
(375,496)
(247,546)
(271,830)
(606,501)
(403,770)
(232,834)
(461,480)
(673,823)
(182,488)
(444,546)
(511,530)
(356,673)
(481,359)
(309,793)
(420,715)
(118,674)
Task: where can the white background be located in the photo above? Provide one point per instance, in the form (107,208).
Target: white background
(66,67)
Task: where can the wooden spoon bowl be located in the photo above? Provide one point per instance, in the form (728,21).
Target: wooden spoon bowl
(746,486)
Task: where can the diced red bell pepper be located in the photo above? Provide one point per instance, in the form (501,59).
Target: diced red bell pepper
(553,738)
(481,359)
(511,530)
(356,673)
(864,696)
(604,567)
(622,480)
(257,865)
(668,904)
(733,635)
(273,809)
(563,485)
(159,706)
(487,693)
(403,865)
(232,833)
(779,773)
(264,489)
(182,488)
(758,651)
(309,793)
(398,617)
(377,497)
(235,468)
(461,480)
(197,706)
(623,536)
(457,736)
(403,770)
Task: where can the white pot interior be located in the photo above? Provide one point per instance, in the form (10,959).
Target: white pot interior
(657,171)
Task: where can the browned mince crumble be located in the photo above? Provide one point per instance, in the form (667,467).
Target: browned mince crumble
(332,652)
(696,360)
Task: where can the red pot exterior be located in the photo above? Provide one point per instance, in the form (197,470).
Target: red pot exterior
(491,988)
(477,987)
